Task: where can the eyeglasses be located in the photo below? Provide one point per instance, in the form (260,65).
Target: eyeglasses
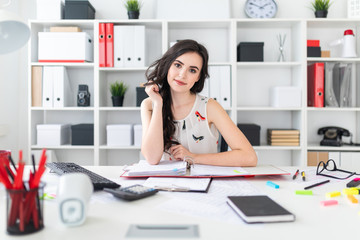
(331,167)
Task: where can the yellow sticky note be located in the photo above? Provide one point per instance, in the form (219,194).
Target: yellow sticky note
(352,198)
(333,194)
(350,191)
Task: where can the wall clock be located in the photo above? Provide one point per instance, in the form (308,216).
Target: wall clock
(260,8)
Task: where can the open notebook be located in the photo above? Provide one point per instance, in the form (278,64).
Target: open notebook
(179,169)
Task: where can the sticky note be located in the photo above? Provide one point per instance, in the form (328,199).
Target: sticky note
(303,192)
(271,184)
(350,191)
(352,199)
(329,203)
(333,194)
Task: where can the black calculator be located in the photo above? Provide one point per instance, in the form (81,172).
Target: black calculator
(133,192)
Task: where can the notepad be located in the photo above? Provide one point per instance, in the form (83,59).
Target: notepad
(258,209)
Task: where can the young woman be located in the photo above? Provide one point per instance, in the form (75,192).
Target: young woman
(178,123)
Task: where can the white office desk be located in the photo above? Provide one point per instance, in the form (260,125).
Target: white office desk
(110,220)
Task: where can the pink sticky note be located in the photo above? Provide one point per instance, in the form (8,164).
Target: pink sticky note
(329,203)
(357,179)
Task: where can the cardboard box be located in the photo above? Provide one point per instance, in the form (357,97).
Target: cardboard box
(65,29)
(53,134)
(250,52)
(119,135)
(65,47)
(50,9)
(325,53)
(285,97)
(251,132)
(79,10)
(82,134)
(313,158)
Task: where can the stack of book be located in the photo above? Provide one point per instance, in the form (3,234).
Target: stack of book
(283,137)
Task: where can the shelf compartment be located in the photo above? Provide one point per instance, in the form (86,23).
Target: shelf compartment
(318,119)
(132,79)
(211,34)
(253,87)
(267,32)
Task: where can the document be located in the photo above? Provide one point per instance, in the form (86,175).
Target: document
(179,184)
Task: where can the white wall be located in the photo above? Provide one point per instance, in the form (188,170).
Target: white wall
(13,66)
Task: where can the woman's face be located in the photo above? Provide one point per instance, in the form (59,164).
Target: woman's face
(184,72)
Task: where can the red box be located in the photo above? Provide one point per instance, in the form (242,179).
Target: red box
(313,43)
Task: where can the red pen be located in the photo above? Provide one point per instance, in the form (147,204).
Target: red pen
(295,175)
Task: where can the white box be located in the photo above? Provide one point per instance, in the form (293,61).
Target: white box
(50,9)
(137,135)
(119,135)
(282,97)
(53,134)
(65,47)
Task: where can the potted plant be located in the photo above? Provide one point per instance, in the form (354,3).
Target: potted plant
(117,91)
(321,8)
(133,8)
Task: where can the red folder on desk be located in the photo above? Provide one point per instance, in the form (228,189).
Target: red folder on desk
(315,80)
(102,45)
(109,44)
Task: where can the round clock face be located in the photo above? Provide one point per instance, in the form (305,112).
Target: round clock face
(260,8)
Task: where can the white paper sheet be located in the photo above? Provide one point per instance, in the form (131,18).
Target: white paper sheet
(210,205)
(191,184)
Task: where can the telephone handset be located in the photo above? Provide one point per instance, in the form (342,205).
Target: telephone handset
(333,135)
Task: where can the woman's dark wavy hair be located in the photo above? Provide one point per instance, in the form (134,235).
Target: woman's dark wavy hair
(157,74)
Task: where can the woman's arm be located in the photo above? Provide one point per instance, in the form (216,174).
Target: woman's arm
(152,146)
(242,153)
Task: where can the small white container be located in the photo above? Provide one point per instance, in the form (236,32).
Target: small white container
(53,134)
(119,135)
(137,135)
(282,97)
(50,9)
(65,47)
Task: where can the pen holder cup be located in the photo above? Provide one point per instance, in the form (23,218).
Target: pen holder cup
(24,210)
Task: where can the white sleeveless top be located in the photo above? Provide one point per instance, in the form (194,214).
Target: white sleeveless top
(194,133)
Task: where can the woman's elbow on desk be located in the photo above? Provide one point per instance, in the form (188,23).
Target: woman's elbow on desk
(150,158)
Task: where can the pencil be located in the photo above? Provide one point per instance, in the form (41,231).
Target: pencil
(316,184)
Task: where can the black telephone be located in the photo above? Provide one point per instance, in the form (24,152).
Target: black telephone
(333,135)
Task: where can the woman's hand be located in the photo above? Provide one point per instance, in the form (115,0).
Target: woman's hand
(179,152)
(153,92)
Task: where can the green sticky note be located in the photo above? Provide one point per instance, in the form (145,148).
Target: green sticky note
(236,171)
(303,192)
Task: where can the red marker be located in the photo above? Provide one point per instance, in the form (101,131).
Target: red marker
(295,175)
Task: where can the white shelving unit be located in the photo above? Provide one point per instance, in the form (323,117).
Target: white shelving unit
(250,81)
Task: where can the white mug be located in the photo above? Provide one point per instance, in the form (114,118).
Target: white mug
(73,195)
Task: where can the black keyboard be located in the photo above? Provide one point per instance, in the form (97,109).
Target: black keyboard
(98,181)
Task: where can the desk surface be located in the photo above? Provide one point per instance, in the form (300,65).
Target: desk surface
(110,220)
